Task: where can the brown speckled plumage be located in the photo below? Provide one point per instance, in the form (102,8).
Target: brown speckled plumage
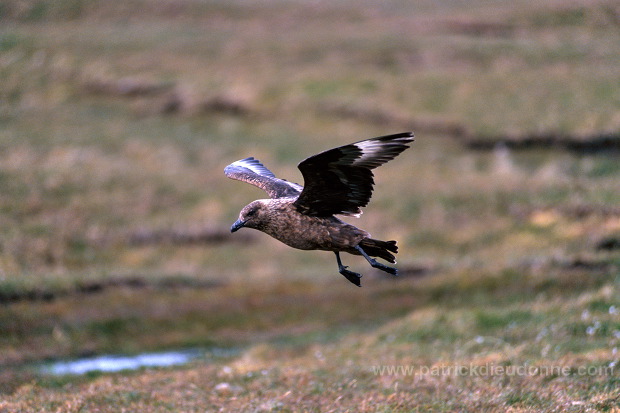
(337,181)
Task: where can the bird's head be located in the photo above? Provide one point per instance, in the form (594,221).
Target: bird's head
(251,216)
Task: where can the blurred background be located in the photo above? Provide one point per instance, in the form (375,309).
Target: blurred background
(117,119)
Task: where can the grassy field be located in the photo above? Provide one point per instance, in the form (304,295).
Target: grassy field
(116,121)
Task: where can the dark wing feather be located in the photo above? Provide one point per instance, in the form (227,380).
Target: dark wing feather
(253,172)
(340,180)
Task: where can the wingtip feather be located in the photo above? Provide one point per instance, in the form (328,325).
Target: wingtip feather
(252,164)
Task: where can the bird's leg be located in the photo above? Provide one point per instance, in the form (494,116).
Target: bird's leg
(349,275)
(373,263)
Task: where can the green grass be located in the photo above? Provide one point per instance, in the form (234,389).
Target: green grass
(509,238)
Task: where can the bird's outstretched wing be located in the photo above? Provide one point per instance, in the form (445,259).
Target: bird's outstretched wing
(340,180)
(253,172)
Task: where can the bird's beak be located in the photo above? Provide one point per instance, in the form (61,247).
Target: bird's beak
(237,225)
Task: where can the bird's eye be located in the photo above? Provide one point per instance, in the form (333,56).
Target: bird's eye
(251,213)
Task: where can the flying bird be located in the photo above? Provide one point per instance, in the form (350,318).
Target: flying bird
(338,181)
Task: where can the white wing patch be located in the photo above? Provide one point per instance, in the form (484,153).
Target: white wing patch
(253,165)
(370,150)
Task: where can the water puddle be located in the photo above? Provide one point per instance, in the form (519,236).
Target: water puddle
(115,363)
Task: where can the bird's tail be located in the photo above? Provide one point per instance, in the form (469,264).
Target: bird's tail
(381,249)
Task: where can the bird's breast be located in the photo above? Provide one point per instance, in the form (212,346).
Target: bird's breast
(312,233)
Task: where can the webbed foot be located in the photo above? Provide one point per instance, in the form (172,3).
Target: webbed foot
(349,275)
(375,264)
(354,277)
